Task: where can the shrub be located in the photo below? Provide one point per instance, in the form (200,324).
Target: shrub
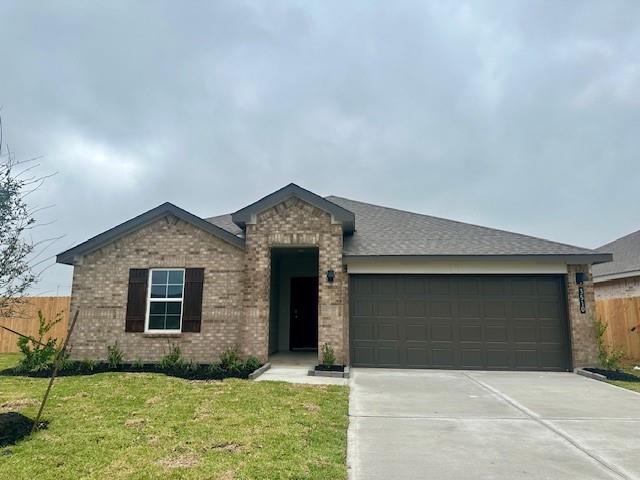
(172,360)
(251,364)
(230,358)
(138,363)
(609,357)
(215,369)
(328,355)
(37,354)
(114,356)
(88,365)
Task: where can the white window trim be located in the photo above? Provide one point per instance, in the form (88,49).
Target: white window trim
(181,300)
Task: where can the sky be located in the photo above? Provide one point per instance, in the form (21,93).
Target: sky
(517,115)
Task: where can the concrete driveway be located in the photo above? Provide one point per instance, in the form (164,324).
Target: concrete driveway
(490,425)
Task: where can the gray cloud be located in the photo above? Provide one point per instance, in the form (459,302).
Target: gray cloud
(517,115)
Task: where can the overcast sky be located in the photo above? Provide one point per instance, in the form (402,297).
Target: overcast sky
(518,115)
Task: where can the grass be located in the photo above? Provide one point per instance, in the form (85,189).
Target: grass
(144,426)
(635,386)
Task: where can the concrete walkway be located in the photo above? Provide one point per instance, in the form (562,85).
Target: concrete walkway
(293,368)
(490,425)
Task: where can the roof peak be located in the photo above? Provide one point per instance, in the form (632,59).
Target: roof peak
(340,214)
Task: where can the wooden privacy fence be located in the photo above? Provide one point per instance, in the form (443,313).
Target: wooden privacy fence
(26,322)
(621,316)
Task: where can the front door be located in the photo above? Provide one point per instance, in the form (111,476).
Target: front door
(304,313)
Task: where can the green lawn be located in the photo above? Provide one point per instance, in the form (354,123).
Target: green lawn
(140,426)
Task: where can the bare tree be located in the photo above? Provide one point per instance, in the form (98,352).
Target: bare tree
(18,260)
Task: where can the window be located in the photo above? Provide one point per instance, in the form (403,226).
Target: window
(166,292)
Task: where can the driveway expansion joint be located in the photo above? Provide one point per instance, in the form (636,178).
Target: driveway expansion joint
(549,425)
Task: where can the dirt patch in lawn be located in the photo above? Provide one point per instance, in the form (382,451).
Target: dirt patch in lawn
(312,407)
(135,422)
(17,404)
(183,461)
(228,447)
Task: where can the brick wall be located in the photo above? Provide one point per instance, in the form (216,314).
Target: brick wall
(620,288)
(100,283)
(293,223)
(583,340)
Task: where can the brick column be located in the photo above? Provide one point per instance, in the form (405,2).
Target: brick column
(255,327)
(331,311)
(584,346)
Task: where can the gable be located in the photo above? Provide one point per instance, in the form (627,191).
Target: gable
(145,219)
(338,214)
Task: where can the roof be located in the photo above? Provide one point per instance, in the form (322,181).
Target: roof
(626,257)
(386,231)
(338,213)
(381,231)
(141,220)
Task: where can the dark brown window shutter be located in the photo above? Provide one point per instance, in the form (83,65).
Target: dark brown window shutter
(192,308)
(136,300)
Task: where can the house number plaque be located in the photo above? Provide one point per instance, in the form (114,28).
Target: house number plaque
(583,307)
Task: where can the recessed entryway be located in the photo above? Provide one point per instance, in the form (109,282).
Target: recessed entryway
(293,312)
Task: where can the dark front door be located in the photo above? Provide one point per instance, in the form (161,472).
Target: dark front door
(488,322)
(304,313)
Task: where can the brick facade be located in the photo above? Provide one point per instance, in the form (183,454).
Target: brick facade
(236,294)
(619,288)
(583,340)
(293,223)
(100,282)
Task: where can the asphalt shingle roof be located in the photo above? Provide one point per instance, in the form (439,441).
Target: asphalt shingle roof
(387,231)
(225,222)
(626,256)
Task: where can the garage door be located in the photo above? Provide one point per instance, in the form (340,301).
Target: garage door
(459,321)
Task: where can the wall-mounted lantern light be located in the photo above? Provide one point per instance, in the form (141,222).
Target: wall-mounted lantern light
(330,276)
(581,277)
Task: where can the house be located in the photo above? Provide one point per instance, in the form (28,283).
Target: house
(293,270)
(621,277)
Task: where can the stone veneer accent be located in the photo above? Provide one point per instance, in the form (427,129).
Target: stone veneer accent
(293,223)
(584,347)
(100,283)
(619,288)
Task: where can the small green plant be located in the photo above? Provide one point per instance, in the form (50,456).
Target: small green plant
(251,364)
(88,365)
(215,370)
(38,354)
(609,357)
(328,355)
(190,367)
(230,358)
(173,359)
(114,356)
(138,363)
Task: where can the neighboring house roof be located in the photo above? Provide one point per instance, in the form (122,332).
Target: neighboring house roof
(140,221)
(626,258)
(339,214)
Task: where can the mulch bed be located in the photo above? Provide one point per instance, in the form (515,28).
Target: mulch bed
(191,372)
(14,427)
(615,374)
(330,368)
